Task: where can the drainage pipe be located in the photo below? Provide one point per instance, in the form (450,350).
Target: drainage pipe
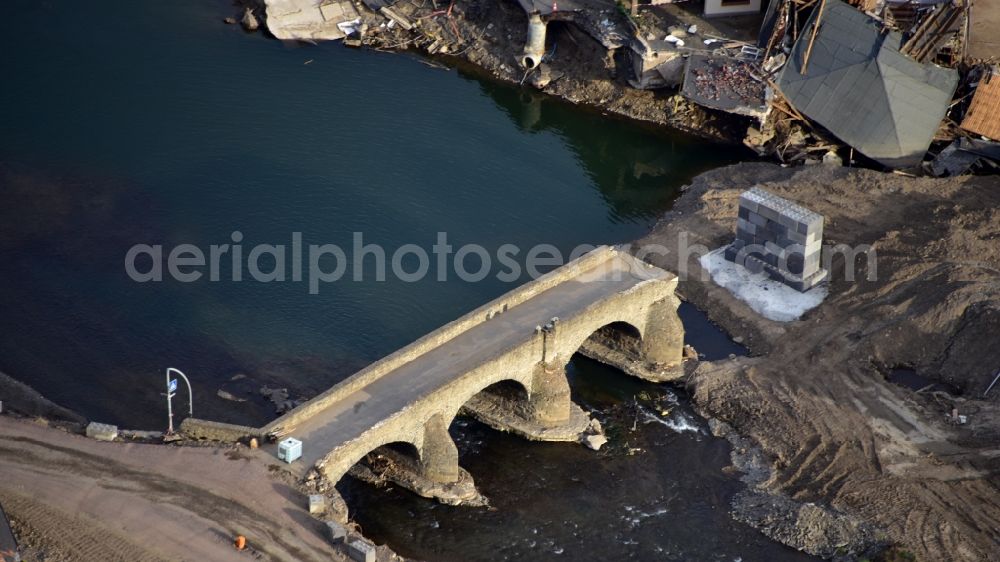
(534,47)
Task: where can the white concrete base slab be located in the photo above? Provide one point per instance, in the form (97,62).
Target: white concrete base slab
(771,299)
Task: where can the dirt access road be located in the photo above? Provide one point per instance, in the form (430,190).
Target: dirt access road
(70,498)
(814,397)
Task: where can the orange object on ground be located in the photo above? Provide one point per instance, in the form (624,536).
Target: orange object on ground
(241,542)
(253,442)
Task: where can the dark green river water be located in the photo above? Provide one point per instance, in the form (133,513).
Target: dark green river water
(125,123)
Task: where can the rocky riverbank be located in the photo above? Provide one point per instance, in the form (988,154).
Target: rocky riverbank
(27,401)
(849,462)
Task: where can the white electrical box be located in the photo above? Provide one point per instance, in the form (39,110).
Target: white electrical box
(289,450)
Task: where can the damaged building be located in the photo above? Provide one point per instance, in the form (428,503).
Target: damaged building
(894,82)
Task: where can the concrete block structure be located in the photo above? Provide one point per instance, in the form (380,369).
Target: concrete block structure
(336,532)
(780,238)
(102,431)
(317,503)
(361,551)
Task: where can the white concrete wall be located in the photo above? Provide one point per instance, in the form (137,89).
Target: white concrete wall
(715,8)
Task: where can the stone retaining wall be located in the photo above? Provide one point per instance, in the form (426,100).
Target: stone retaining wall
(195,428)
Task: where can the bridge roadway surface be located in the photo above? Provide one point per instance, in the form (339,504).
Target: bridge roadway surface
(351,417)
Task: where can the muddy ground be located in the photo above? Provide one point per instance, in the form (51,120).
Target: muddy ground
(73,499)
(866,462)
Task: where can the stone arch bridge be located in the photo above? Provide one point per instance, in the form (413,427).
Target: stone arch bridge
(523,339)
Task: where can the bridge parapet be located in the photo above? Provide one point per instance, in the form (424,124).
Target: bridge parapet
(440,336)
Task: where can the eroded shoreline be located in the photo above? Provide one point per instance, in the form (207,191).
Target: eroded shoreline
(491,37)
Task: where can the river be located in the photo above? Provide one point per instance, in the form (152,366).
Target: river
(129,123)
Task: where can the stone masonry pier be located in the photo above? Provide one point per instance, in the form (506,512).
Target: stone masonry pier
(515,348)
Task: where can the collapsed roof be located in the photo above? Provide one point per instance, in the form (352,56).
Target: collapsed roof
(863,90)
(983,116)
(724,83)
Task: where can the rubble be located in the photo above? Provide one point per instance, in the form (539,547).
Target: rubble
(850,77)
(102,431)
(595,442)
(309,19)
(725,83)
(940,26)
(963,155)
(656,64)
(983,115)
(910,92)
(317,504)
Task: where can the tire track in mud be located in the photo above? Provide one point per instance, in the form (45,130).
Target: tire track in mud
(50,535)
(817,402)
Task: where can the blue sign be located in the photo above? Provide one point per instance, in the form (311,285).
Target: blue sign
(172,385)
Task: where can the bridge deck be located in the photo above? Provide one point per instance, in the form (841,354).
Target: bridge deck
(351,417)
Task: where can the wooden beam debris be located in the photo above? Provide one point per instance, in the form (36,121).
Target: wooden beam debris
(397,17)
(935,29)
(809,49)
(995,379)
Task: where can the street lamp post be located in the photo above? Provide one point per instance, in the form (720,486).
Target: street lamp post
(171,389)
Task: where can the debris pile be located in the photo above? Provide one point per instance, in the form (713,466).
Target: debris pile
(280,398)
(733,78)
(895,83)
(725,83)
(884,79)
(983,114)
(849,76)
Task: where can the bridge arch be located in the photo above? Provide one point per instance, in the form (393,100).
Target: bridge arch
(651,332)
(509,386)
(511,391)
(620,334)
(570,339)
(396,447)
(425,445)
